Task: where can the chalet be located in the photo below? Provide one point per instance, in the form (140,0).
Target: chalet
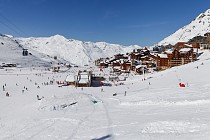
(136,50)
(120,56)
(189,54)
(134,63)
(141,69)
(135,56)
(196,45)
(71,80)
(97,62)
(146,60)
(186,53)
(104,64)
(138,54)
(84,79)
(181,45)
(161,61)
(146,51)
(206,45)
(126,66)
(180,57)
(116,63)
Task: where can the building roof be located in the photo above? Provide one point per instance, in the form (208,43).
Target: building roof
(70,78)
(185,49)
(188,45)
(163,55)
(140,66)
(170,51)
(84,78)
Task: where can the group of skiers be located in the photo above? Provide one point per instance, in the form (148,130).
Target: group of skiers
(4,89)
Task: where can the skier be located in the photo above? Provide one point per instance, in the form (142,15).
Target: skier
(115,94)
(7,94)
(37,97)
(125,93)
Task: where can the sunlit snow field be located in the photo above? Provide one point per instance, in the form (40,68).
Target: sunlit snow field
(160,110)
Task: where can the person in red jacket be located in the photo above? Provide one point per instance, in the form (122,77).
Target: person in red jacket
(181,85)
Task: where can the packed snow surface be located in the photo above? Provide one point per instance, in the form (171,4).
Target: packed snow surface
(153,109)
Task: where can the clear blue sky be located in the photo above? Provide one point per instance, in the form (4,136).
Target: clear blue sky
(125,22)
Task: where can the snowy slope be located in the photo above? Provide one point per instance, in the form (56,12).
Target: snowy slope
(11,52)
(74,51)
(160,110)
(199,26)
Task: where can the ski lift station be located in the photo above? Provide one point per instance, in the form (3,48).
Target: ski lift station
(82,79)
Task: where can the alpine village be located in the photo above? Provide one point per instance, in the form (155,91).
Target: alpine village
(160,58)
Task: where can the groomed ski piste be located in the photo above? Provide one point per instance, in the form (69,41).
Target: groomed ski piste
(153,109)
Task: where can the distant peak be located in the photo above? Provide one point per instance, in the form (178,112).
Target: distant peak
(197,27)
(57,36)
(207,11)
(5,35)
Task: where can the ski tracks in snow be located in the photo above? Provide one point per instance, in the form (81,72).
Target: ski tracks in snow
(25,129)
(109,120)
(82,121)
(75,131)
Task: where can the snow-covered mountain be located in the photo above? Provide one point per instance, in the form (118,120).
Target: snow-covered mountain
(73,51)
(197,27)
(11,52)
(43,50)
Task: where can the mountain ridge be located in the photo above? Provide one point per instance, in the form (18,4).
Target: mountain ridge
(73,51)
(199,26)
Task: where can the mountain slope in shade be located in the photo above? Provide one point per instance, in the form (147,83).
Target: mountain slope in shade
(11,52)
(197,27)
(73,51)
